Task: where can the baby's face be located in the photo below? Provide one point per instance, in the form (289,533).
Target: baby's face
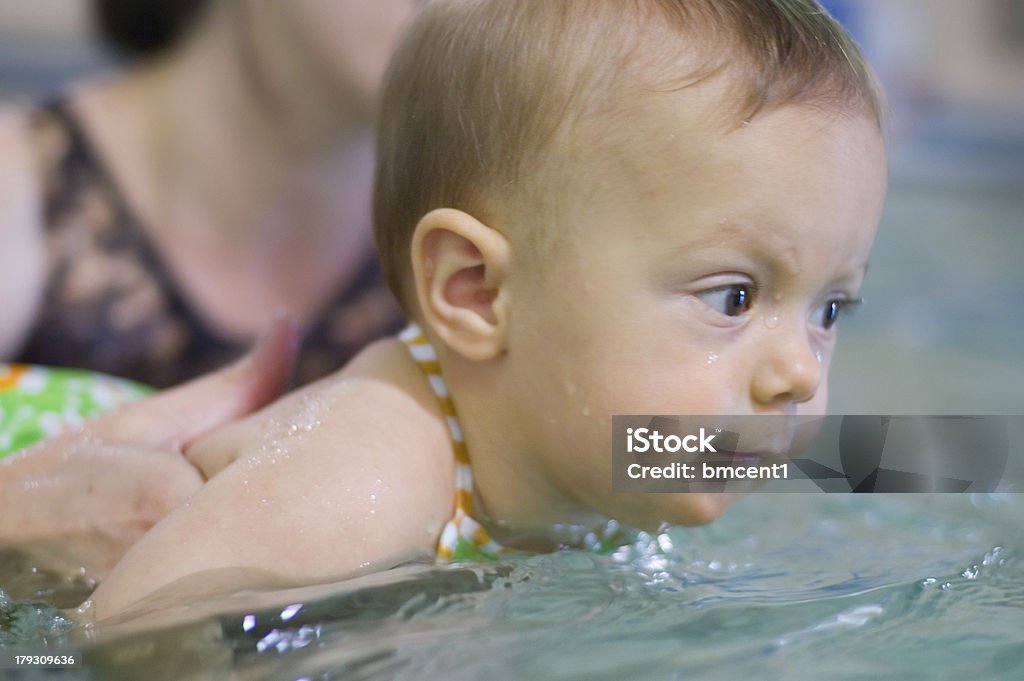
(699,274)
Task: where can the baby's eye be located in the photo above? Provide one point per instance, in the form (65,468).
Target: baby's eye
(732,300)
(832,309)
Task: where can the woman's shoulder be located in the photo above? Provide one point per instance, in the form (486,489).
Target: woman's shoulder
(17,141)
(22,255)
(35,140)
(33,137)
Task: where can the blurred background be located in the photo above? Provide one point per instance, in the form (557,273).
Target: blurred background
(44,44)
(942,330)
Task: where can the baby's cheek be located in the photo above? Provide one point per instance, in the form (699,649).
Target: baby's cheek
(700,508)
(664,390)
(817,405)
(653,511)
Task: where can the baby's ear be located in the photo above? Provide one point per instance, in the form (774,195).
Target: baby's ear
(460,268)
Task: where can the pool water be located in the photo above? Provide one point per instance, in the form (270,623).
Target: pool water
(785,586)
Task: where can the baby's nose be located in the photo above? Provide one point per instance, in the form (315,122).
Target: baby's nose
(789,370)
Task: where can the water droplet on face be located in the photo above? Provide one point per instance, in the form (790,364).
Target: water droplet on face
(712,358)
(817,356)
(772,320)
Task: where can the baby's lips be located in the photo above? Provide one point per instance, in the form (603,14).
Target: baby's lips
(776,437)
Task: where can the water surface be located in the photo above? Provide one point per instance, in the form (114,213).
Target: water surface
(794,586)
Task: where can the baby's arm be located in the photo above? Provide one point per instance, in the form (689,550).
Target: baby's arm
(352,473)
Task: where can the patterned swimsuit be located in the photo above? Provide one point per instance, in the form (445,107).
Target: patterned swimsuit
(110,303)
(463,538)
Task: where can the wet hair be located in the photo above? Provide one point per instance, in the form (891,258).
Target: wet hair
(145,28)
(481,91)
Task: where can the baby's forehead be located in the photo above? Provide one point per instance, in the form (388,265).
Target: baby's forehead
(667,111)
(662,143)
(673,177)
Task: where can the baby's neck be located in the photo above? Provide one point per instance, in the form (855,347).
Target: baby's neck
(514,490)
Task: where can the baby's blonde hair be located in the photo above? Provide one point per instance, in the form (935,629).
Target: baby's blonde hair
(479,90)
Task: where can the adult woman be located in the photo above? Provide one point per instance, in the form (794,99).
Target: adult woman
(153,223)
(157,220)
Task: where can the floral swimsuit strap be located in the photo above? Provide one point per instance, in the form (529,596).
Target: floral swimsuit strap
(462,538)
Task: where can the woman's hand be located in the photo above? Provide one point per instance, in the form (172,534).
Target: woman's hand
(78,501)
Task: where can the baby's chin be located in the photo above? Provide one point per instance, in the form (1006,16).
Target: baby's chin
(699,508)
(689,508)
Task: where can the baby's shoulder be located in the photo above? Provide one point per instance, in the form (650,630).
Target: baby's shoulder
(385,380)
(378,412)
(390,410)
(375,418)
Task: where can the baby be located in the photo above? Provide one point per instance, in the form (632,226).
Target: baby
(589,207)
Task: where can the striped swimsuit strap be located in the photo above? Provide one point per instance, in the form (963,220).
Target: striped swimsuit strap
(462,538)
